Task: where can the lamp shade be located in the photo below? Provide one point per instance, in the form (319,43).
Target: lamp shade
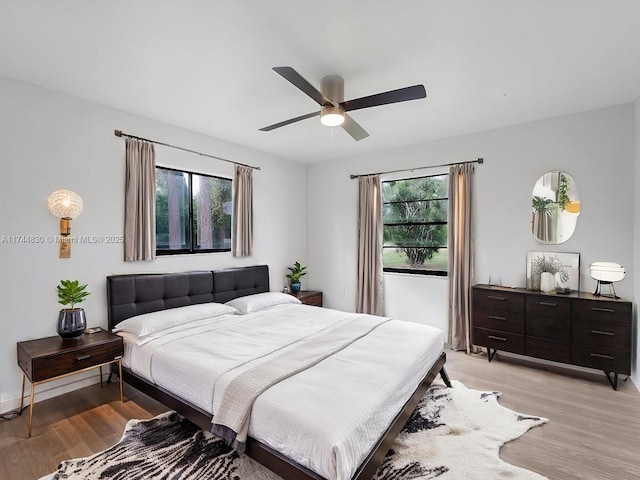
(606,271)
(64,203)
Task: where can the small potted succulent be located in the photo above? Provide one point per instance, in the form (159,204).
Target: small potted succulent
(296,272)
(71,321)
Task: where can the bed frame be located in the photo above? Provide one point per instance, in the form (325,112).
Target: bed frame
(135,294)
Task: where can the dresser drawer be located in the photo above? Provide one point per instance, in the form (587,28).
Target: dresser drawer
(507,342)
(46,367)
(547,327)
(607,359)
(498,300)
(598,311)
(499,320)
(599,335)
(549,306)
(548,349)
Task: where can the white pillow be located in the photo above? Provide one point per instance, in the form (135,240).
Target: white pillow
(154,322)
(260,301)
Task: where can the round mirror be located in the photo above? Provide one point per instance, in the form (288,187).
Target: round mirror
(555,207)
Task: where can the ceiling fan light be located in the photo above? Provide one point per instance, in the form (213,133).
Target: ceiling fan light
(332,116)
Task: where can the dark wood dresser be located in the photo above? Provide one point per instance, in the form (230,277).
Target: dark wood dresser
(578,329)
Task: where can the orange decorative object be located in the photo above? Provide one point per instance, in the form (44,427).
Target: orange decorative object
(573,207)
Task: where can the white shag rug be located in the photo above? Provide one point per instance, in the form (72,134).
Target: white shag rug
(454,434)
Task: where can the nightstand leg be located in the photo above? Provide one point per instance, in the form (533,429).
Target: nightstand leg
(22,396)
(120,378)
(31,409)
(101,376)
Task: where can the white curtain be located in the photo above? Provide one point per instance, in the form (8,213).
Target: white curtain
(460,256)
(370,277)
(140,202)
(242,238)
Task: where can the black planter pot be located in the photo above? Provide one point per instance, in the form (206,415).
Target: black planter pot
(71,322)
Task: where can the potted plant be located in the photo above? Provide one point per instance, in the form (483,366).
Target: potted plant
(296,272)
(71,321)
(543,220)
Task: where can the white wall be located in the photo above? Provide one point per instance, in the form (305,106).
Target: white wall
(50,141)
(636,371)
(596,148)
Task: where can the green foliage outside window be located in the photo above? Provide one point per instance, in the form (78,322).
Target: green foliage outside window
(415,213)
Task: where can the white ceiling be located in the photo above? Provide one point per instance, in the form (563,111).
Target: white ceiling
(206,65)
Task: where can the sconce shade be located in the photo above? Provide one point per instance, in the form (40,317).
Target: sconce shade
(64,203)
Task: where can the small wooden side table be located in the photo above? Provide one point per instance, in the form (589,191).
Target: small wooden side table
(309,297)
(51,358)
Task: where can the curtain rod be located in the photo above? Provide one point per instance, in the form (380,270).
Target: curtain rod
(479,160)
(120,133)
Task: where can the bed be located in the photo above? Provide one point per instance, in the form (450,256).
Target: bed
(323,422)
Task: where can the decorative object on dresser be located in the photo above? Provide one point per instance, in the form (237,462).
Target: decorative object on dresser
(553,271)
(71,321)
(606,273)
(296,272)
(66,205)
(50,358)
(309,297)
(578,328)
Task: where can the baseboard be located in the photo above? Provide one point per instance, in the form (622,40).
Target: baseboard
(50,390)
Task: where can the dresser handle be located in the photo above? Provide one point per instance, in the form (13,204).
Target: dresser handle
(549,304)
(83,357)
(600,332)
(493,317)
(598,355)
(502,339)
(493,297)
(607,310)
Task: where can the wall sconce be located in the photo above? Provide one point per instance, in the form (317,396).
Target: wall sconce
(65,205)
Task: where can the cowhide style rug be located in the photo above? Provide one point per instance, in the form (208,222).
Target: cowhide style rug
(454,433)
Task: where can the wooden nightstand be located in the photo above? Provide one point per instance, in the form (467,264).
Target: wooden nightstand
(309,297)
(50,358)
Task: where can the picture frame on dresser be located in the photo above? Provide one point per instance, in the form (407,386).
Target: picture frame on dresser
(563,266)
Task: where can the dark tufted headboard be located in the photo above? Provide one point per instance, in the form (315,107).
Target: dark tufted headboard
(135,294)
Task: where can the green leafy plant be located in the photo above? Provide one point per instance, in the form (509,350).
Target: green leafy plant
(552,265)
(562,194)
(296,272)
(71,292)
(543,205)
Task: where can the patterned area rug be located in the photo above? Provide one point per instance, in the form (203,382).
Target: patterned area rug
(454,433)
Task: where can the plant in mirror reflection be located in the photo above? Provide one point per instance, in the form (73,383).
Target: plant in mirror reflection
(542,204)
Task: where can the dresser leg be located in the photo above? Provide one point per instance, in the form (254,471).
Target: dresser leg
(613,381)
(491,354)
(22,395)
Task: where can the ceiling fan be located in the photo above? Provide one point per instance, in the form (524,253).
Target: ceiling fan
(334,107)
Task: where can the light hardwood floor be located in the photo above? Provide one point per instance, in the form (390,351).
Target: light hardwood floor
(593,431)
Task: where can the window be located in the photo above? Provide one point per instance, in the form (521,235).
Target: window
(415,213)
(193,212)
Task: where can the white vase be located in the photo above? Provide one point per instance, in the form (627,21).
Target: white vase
(547,282)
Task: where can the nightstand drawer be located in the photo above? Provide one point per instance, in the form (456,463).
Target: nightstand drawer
(309,297)
(47,367)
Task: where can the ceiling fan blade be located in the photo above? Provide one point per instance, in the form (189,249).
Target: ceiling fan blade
(353,128)
(298,80)
(393,96)
(288,122)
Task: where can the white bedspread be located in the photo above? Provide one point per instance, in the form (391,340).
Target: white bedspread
(327,417)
